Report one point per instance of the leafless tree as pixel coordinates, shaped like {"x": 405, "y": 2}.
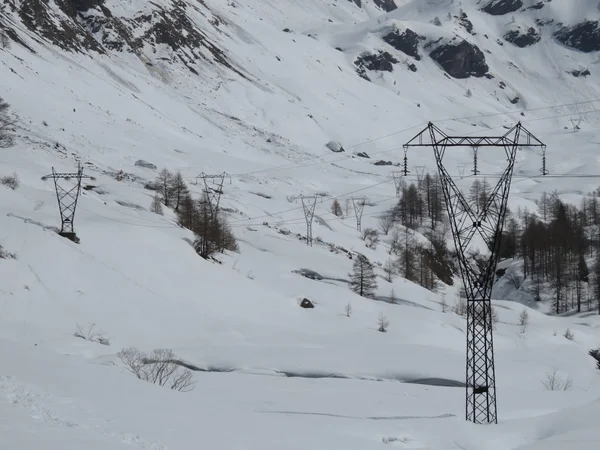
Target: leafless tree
{"x": 393, "y": 298}
{"x": 386, "y": 222}
{"x": 371, "y": 237}
{"x": 178, "y": 190}
{"x": 554, "y": 381}
{"x": 6, "y": 125}
{"x": 165, "y": 183}
{"x": 523, "y": 319}
{"x": 514, "y": 280}
{"x": 389, "y": 268}
{"x": 156, "y": 207}
{"x": 383, "y": 323}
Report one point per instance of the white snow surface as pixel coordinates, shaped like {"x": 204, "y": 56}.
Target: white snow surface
{"x": 279, "y": 376}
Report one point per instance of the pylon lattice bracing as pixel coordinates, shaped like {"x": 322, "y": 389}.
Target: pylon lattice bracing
{"x": 67, "y": 198}
{"x": 309, "y": 204}
{"x": 466, "y": 221}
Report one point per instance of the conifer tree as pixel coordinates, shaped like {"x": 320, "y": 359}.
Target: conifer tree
{"x": 363, "y": 279}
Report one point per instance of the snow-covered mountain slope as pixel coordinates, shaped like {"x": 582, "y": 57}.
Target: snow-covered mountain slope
{"x": 210, "y": 86}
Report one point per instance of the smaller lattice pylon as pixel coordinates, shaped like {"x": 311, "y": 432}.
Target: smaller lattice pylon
{"x": 398, "y": 175}
{"x": 67, "y": 199}
{"x": 359, "y": 206}
{"x": 213, "y": 189}
{"x": 309, "y": 203}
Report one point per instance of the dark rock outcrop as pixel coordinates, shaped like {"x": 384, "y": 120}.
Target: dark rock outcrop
{"x": 382, "y": 61}
{"x": 381, "y": 162}
{"x": 407, "y": 42}
{"x": 386, "y": 5}
{"x": 356, "y": 2}
{"x": 501, "y": 7}
{"x": 523, "y": 39}
{"x": 580, "y": 73}
{"x": 464, "y": 22}
{"x": 90, "y": 25}
{"x": 461, "y": 60}
{"x": 584, "y": 36}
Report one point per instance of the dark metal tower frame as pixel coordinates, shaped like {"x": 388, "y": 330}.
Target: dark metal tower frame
{"x": 466, "y": 221}
{"x": 67, "y": 199}
{"x": 359, "y": 206}
{"x": 309, "y": 203}
{"x": 213, "y": 192}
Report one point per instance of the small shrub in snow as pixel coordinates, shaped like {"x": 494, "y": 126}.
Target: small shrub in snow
{"x": 389, "y": 268}
{"x": 348, "y": 310}
{"x": 336, "y": 208}
{"x": 159, "y": 367}
{"x": 10, "y": 181}
{"x": 523, "y": 319}
{"x": 383, "y": 323}
{"x": 91, "y": 334}
{"x": 6, "y": 255}
{"x": 460, "y": 307}
{"x": 156, "y": 206}
{"x": 444, "y": 303}
{"x": 554, "y": 381}
{"x": 569, "y": 334}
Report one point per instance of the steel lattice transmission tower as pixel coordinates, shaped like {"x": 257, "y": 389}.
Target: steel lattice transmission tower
{"x": 67, "y": 199}
{"x": 398, "y": 175}
{"x": 359, "y": 206}
{"x": 466, "y": 222}
{"x": 212, "y": 191}
{"x": 309, "y": 203}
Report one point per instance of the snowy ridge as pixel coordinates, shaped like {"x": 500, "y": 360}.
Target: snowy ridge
{"x": 285, "y": 377}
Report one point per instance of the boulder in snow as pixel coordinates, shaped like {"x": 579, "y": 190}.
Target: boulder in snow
{"x": 145, "y": 164}
{"x": 335, "y": 147}
{"x": 306, "y": 303}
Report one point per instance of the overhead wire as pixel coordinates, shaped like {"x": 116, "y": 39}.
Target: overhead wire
{"x": 299, "y": 164}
